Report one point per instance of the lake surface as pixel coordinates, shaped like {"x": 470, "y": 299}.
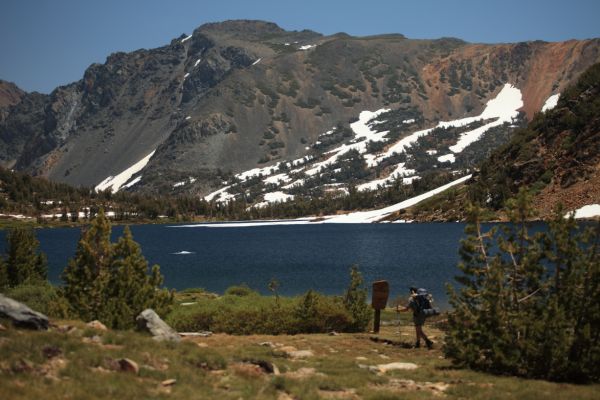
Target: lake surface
{"x": 300, "y": 257}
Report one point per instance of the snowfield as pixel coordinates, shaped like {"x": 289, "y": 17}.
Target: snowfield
{"x": 589, "y": 211}
{"x": 359, "y": 217}
{"x": 499, "y": 110}
{"x": 551, "y": 102}
{"x": 116, "y": 182}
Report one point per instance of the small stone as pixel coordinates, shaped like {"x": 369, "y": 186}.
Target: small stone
{"x": 267, "y": 344}
{"x": 168, "y": 382}
{"x": 287, "y": 349}
{"x": 22, "y": 365}
{"x": 202, "y": 344}
{"x": 97, "y": 325}
{"x": 384, "y": 357}
{"x": 51, "y": 351}
{"x": 266, "y": 366}
{"x": 196, "y": 334}
{"x": 300, "y": 354}
{"x": 383, "y": 368}
{"x": 2, "y": 328}
{"x": 334, "y": 333}
{"x": 361, "y": 358}
{"x": 127, "y": 365}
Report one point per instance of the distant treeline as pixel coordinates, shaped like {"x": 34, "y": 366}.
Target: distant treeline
{"x": 38, "y": 197}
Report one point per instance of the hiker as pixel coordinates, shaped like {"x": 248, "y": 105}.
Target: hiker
{"x": 418, "y": 302}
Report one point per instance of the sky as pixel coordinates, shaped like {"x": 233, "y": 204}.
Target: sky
{"x": 47, "y": 43}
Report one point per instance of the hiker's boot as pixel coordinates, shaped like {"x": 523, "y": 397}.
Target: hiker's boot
{"x": 429, "y": 344}
{"x": 417, "y": 344}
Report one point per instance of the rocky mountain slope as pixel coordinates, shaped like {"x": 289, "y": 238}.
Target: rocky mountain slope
{"x": 247, "y": 97}
{"x": 557, "y": 156}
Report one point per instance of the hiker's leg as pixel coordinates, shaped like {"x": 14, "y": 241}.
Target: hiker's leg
{"x": 418, "y": 335}
{"x": 423, "y": 335}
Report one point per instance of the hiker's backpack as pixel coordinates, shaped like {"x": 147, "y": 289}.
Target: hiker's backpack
{"x": 423, "y": 301}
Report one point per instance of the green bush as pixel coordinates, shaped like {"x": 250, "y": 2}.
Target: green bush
{"x": 252, "y": 313}
{"x": 241, "y": 290}
{"x": 41, "y": 297}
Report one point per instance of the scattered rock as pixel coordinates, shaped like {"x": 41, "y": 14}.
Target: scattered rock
{"x": 361, "y": 358}
{"x": 68, "y": 329}
{"x": 22, "y": 365}
{"x": 51, "y": 351}
{"x": 383, "y": 368}
{"x": 149, "y": 320}
{"x": 93, "y": 339}
{"x": 384, "y": 356}
{"x": 302, "y": 373}
{"x": 437, "y": 388}
{"x": 346, "y": 394}
{"x": 287, "y": 349}
{"x": 127, "y": 365}
{"x": 168, "y": 382}
{"x": 195, "y": 334}
{"x": 300, "y": 354}
{"x": 21, "y": 315}
{"x": 266, "y": 366}
{"x": 284, "y": 396}
{"x": 247, "y": 370}
{"x": 334, "y": 333}
{"x": 97, "y": 325}
{"x": 267, "y": 344}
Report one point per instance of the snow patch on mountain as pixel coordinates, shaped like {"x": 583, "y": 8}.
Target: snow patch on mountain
{"x": 551, "y": 102}
{"x": 115, "y": 182}
{"x": 589, "y": 211}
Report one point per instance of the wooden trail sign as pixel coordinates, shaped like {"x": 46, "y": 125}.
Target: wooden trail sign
{"x": 381, "y": 291}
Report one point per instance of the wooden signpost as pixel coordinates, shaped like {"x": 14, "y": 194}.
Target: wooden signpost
{"x": 381, "y": 291}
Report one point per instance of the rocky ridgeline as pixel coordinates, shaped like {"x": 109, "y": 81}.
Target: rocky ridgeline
{"x": 240, "y": 94}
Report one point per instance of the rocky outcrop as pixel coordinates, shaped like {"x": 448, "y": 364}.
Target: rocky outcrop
{"x": 21, "y": 315}
{"x": 150, "y": 321}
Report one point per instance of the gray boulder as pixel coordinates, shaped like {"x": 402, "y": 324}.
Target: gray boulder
{"x": 21, "y": 315}
{"x": 150, "y": 321}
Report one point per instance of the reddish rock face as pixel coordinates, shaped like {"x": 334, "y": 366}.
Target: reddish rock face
{"x": 10, "y": 94}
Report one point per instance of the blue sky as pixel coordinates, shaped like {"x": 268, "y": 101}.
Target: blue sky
{"x": 46, "y": 43}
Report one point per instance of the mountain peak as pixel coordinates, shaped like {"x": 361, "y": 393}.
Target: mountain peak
{"x": 243, "y": 27}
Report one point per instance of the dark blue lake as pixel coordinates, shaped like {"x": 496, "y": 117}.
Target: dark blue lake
{"x": 300, "y": 257}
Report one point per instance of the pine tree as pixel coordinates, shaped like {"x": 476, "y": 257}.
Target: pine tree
{"x": 307, "y": 312}
{"x": 529, "y": 304}
{"x": 87, "y": 275}
{"x": 131, "y": 289}
{"x": 110, "y": 282}
{"x": 355, "y": 301}
{"x": 24, "y": 262}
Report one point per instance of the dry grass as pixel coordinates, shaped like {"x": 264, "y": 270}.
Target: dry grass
{"x": 80, "y": 362}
